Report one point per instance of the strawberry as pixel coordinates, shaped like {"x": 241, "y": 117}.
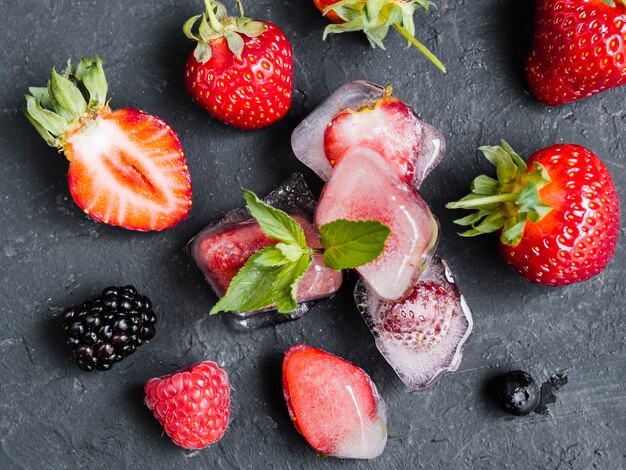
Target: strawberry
{"x": 422, "y": 319}
{"x": 559, "y": 216}
{"x": 579, "y": 49}
{"x": 374, "y": 18}
{"x": 221, "y": 254}
{"x": 127, "y": 167}
{"x": 388, "y": 126}
{"x": 192, "y": 404}
{"x": 241, "y": 71}
{"x": 333, "y": 404}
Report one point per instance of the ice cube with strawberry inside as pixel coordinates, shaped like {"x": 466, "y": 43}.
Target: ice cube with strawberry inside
{"x": 364, "y": 187}
{"x": 333, "y": 404}
{"x": 223, "y": 247}
{"x": 423, "y": 335}
{"x": 361, "y": 114}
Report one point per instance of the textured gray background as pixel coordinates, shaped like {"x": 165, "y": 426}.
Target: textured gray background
{"x": 52, "y": 415}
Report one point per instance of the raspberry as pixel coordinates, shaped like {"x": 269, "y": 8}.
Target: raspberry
{"x": 192, "y": 404}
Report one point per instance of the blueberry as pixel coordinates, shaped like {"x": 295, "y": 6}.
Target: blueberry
{"x": 517, "y": 393}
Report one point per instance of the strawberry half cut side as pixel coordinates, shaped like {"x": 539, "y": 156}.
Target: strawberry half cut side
{"x": 366, "y": 115}
{"x": 127, "y": 167}
{"x": 333, "y": 404}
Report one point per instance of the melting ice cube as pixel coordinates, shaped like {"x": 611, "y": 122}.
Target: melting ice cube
{"x": 334, "y": 404}
{"x": 376, "y": 128}
{"x": 423, "y": 335}
{"x": 363, "y": 187}
{"x": 224, "y": 246}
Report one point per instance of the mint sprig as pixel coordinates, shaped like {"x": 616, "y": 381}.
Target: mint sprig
{"x": 271, "y": 275}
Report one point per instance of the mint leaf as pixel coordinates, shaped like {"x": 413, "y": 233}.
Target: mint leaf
{"x": 349, "y": 244}
{"x": 286, "y": 284}
{"x": 251, "y": 288}
{"x": 292, "y": 252}
{"x": 271, "y": 256}
{"x": 274, "y": 222}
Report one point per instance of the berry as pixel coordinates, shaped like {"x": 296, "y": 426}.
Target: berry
{"x": 364, "y": 187}
{"x": 578, "y": 49}
{"x": 93, "y": 327}
{"x": 559, "y": 216}
{"x": 127, "y": 168}
{"x": 422, "y": 319}
{"x": 375, "y": 18}
{"x": 222, "y": 254}
{"x": 241, "y": 71}
{"x": 388, "y": 126}
{"x": 192, "y": 404}
{"x": 517, "y": 393}
{"x": 333, "y": 404}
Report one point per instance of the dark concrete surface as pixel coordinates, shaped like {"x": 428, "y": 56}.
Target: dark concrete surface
{"x": 54, "y": 416}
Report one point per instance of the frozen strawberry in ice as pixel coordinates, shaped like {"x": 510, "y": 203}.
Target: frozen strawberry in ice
{"x": 361, "y": 114}
{"x": 222, "y": 248}
{"x": 364, "y": 187}
{"x": 333, "y": 404}
{"x": 423, "y": 335}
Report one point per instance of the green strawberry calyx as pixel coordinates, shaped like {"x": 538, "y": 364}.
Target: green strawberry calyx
{"x": 215, "y": 24}
{"x": 375, "y": 17}
{"x": 69, "y": 101}
{"x": 505, "y": 203}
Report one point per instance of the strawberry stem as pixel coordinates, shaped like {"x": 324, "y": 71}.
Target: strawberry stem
{"x": 421, "y": 47}
{"x": 215, "y": 23}
{"x": 481, "y": 201}
{"x": 240, "y": 6}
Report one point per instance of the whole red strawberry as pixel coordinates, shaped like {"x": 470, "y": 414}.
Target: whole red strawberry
{"x": 579, "y": 49}
{"x": 559, "y": 217}
{"x": 192, "y": 404}
{"x": 127, "y": 167}
{"x": 241, "y": 71}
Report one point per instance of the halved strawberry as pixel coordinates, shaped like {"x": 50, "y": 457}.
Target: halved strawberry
{"x": 333, "y": 404}
{"x": 388, "y": 126}
{"x": 364, "y": 187}
{"x": 220, "y": 254}
{"x": 127, "y": 167}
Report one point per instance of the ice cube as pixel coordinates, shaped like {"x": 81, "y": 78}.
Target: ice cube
{"x": 334, "y": 404}
{"x": 363, "y": 187}
{"x": 307, "y": 139}
{"x": 423, "y": 335}
{"x": 224, "y": 246}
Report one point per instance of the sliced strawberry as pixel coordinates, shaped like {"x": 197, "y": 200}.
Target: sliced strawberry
{"x": 389, "y": 127}
{"x": 333, "y": 404}
{"x": 363, "y": 187}
{"x": 127, "y": 168}
{"x": 222, "y": 253}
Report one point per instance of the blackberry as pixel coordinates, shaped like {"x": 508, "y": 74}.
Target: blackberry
{"x": 106, "y": 329}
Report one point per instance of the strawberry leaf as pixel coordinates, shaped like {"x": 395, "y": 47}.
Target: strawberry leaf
{"x": 274, "y": 222}
{"x": 349, "y": 244}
